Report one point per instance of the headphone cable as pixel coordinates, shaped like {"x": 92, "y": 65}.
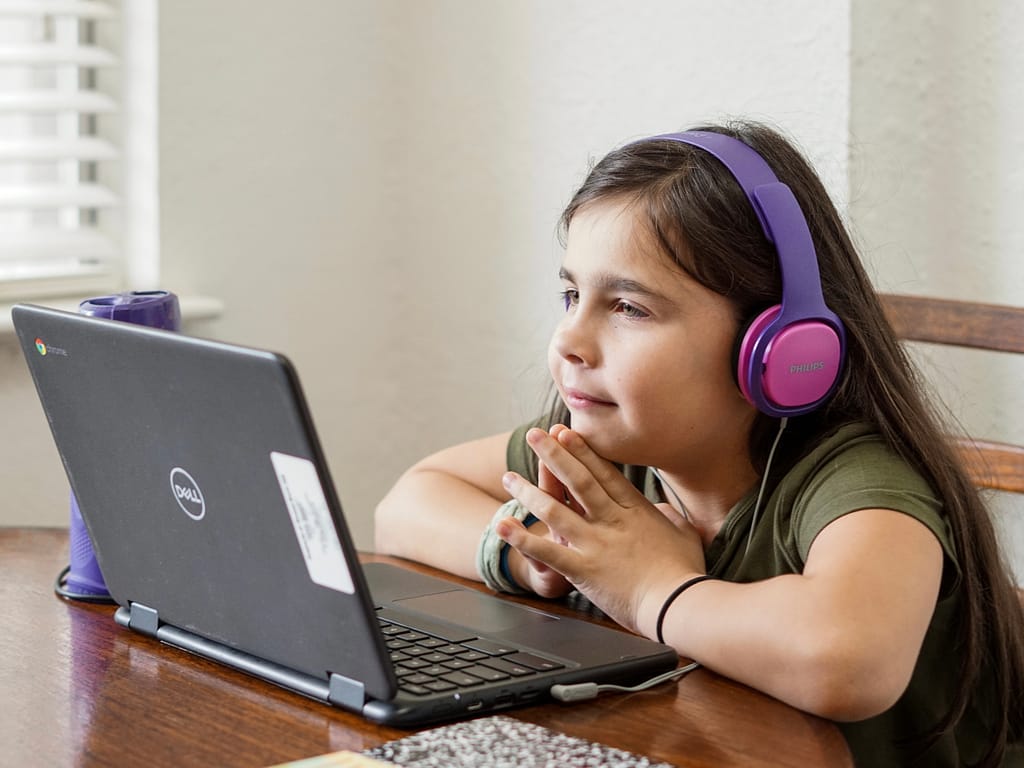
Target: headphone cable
{"x": 764, "y": 481}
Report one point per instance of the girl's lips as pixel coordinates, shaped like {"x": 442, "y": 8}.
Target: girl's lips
{"x": 575, "y": 398}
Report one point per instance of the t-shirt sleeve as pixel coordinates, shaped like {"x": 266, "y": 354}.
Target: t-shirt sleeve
{"x": 865, "y": 474}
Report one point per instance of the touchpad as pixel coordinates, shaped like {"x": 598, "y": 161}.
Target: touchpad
{"x": 473, "y": 610}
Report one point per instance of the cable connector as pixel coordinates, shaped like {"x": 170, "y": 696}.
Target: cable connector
{"x": 577, "y": 692}
{"x": 585, "y": 691}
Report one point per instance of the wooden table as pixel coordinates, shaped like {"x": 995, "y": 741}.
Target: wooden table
{"x": 78, "y": 689}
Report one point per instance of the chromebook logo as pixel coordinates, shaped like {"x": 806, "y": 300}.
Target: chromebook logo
{"x": 48, "y": 349}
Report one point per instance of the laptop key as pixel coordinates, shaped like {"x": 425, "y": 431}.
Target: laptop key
{"x": 486, "y": 673}
{"x": 412, "y": 636}
{"x": 460, "y": 664}
{"x": 435, "y": 657}
{"x": 414, "y": 664}
{"x": 435, "y": 670}
{"x": 461, "y": 679}
{"x": 490, "y": 648}
{"x": 516, "y": 670}
{"x": 416, "y": 650}
{"x": 431, "y": 642}
{"x": 417, "y": 679}
{"x": 533, "y": 662}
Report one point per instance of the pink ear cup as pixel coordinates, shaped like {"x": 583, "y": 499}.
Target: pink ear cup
{"x": 799, "y": 365}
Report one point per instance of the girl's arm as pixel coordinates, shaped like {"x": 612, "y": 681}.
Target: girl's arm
{"x": 438, "y": 509}
{"x": 839, "y": 640}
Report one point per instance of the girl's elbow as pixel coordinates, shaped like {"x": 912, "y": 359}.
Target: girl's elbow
{"x": 386, "y": 528}
{"x": 852, "y": 702}
{"x": 851, "y": 684}
{"x": 380, "y": 531}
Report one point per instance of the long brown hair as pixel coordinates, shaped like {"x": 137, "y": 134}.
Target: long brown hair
{"x": 703, "y": 221}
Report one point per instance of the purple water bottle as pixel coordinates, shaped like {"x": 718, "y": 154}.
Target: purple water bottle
{"x": 157, "y": 309}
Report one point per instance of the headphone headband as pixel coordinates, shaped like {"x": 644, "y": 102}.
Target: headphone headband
{"x": 780, "y": 216}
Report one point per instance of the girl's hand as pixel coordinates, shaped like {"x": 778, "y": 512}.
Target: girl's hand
{"x": 623, "y": 552}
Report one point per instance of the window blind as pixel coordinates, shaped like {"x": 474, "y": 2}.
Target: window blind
{"x": 61, "y": 139}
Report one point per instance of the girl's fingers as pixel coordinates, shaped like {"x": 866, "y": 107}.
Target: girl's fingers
{"x": 550, "y": 484}
{"x": 539, "y": 549}
{"x": 560, "y": 519}
{"x": 556, "y": 430}
{"x": 588, "y": 477}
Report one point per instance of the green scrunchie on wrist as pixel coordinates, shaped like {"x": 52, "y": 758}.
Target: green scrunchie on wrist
{"x": 492, "y": 552}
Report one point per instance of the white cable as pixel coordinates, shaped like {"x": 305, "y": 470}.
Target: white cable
{"x": 584, "y": 691}
{"x": 764, "y": 481}
{"x": 670, "y": 489}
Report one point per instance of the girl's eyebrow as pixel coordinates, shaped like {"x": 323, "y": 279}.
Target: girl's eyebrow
{"x": 610, "y": 283}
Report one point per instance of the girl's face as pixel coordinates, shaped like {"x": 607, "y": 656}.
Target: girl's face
{"x": 643, "y": 355}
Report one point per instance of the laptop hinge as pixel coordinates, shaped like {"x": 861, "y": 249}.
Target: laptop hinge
{"x": 143, "y": 619}
{"x": 346, "y": 693}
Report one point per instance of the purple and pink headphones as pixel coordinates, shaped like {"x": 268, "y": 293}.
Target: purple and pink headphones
{"x": 791, "y": 355}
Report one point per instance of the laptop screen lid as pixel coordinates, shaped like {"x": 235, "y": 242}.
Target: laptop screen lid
{"x": 181, "y": 490}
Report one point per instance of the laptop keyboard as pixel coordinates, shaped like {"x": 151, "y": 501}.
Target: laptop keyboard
{"x": 427, "y": 663}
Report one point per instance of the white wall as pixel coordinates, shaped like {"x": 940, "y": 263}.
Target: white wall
{"x": 372, "y": 187}
{"x": 937, "y": 179}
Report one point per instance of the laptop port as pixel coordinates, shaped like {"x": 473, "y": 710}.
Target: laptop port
{"x": 504, "y": 700}
{"x": 473, "y": 706}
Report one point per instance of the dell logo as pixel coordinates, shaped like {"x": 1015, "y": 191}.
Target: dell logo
{"x": 817, "y": 365}
{"x": 187, "y": 494}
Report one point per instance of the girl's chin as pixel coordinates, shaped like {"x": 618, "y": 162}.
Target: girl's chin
{"x": 606, "y": 446}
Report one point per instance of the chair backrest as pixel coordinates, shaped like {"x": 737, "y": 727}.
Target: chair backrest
{"x": 990, "y": 464}
{"x": 970, "y": 325}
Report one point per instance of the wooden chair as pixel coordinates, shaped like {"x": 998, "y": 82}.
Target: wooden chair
{"x": 995, "y": 465}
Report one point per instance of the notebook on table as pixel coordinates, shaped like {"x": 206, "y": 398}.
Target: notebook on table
{"x": 217, "y": 527}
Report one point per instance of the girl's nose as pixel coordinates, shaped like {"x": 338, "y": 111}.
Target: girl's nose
{"x": 573, "y": 342}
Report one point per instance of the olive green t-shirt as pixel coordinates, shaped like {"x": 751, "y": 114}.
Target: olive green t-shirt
{"x": 849, "y": 470}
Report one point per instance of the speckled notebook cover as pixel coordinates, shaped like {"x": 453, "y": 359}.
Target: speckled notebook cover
{"x": 502, "y": 742}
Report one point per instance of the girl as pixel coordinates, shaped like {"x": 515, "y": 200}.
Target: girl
{"x": 825, "y": 548}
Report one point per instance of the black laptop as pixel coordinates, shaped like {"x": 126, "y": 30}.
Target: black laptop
{"x": 218, "y": 530}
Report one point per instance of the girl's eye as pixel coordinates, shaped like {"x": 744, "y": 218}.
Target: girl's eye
{"x": 630, "y": 311}
{"x": 570, "y": 297}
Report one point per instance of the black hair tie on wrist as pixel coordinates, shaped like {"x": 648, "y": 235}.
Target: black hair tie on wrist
{"x": 672, "y": 598}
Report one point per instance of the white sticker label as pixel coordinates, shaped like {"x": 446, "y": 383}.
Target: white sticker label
{"x": 311, "y": 519}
